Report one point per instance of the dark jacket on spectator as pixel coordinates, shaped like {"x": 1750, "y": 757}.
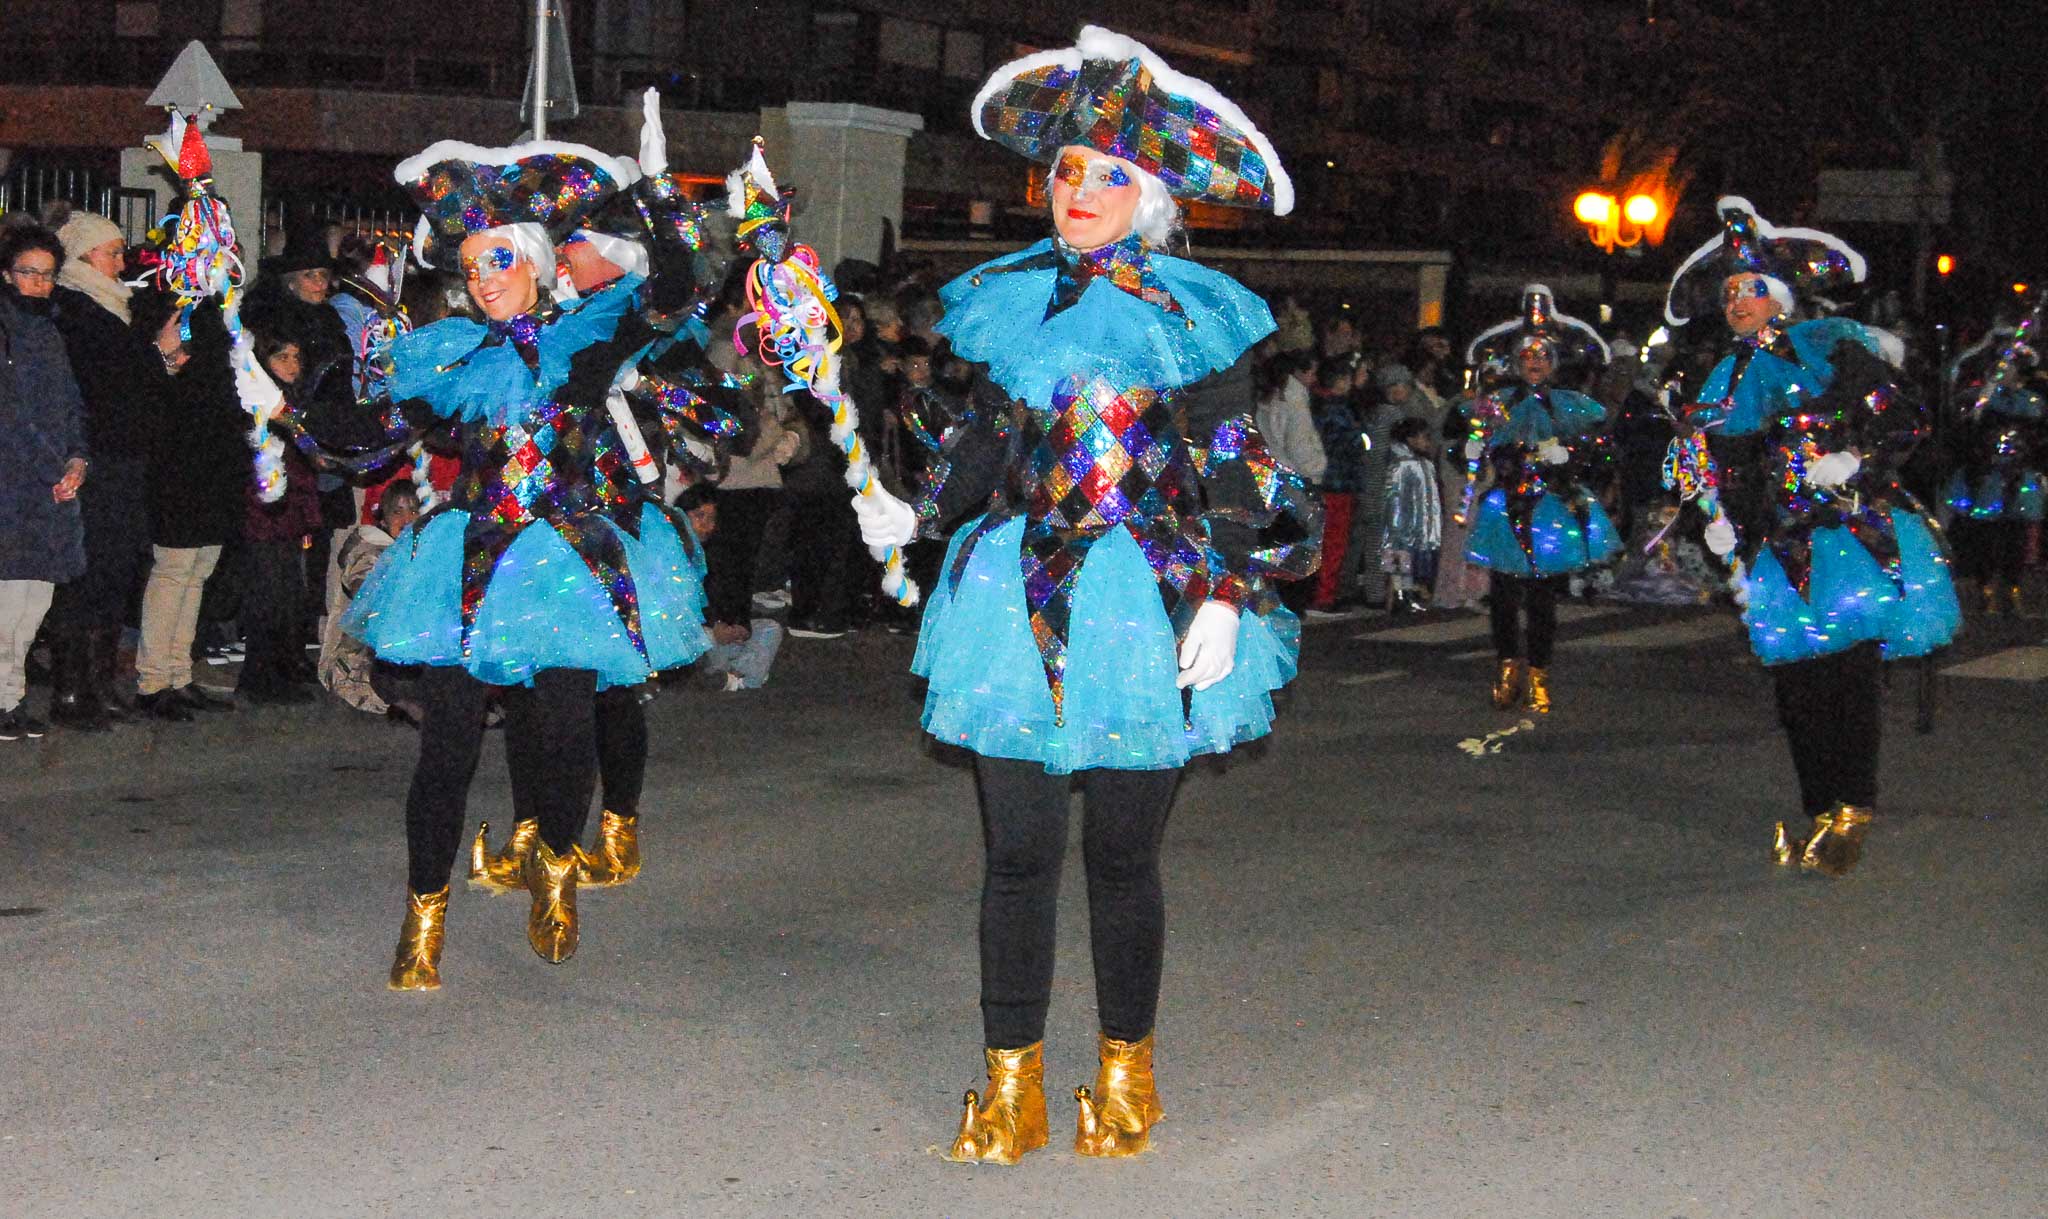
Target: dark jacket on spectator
{"x": 121, "y": 379}
{"x": 41, "y": 428}
{"x": 199, "y": 456}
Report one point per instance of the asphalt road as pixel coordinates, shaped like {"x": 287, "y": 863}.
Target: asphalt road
{"x": 1560, "y": 979}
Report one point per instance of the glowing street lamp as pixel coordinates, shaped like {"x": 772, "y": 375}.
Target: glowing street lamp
{"x": 1612, "y": 222}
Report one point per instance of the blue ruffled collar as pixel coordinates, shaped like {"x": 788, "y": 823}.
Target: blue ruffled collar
{"x": 997, "y": 315}
{"x": 462, "y": 370}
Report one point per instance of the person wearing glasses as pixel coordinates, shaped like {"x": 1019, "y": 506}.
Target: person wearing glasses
{"x": 42, "y": 465}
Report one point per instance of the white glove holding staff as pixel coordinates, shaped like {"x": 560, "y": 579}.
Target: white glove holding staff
{"x": 1833, "y": 469}
{"x": 885, "y": 521}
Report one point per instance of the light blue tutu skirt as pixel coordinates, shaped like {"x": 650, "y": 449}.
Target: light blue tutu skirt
{"x": 988, "y": 689}
{"x": 1561, "y": 545}
{"x": 543, "y": 609}
{"x": 1850, "y": 599}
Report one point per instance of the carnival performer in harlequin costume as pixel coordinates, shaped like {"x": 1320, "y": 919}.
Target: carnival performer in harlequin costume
{"x": 1998, "y": 492}
{"x": 666, "y": 403}
{"x": 521, "y": 578}
{"x": 1538, "y": 524}
{"x": 1105, "y": 613}
{"x": 1836, "y": 566}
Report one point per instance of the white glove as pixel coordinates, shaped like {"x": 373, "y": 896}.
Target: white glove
{"x": 259, "y": 394}
{"x": 1833, "y": 469}
{"x": 1473, "y": 449}
{"x": 885, "y": 521}
{"x": 1551, "y": 453}
{"x": 1209, "y": 652}
{"x": 1720, "y": 536}
{"x": 653, "y": 141}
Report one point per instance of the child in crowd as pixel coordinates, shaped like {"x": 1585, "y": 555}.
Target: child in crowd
{"x": 345, "y": 662}
{"x": 1414, "y": 516}
{"x": 1344, "y": 448}
{"x": 741, "y": 653}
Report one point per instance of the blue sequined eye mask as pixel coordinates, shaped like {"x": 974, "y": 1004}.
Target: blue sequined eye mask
{"x": 1745, "y": 289}
{"x": 495, "y": 261}
{"x": 1090, "y": 174}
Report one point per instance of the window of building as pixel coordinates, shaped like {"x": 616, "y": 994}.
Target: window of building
{"x": 138, "y": 19}
{"x": 965, "y": 57}
{"x": 911, "y": 44}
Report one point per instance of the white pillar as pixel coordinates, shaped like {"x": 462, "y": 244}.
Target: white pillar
{"x": 846, "y": 162}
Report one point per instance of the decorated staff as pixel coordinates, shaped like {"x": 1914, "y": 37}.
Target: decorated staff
{"x": 798, "y": 331}
{"x": 200, "y": 261}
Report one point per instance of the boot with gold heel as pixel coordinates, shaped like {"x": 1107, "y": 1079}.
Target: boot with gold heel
{"x": 616, "y": 859}
{"x": 1837, "y": 841}
{"x": 504, "y": 871}
{"x": 1012, "y": 1122}
{"x": 1507, "y": 684}
{"x": 551, "y": 924}
{"x": 1536, "y": 690}
{"x": 1787, "y": 846}
{"x": 418, "y": 963}
{"x": 1118, "y": 1113}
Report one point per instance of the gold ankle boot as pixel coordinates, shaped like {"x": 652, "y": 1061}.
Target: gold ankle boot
{"x": 1119, "y": 1113}
{"x": 418, "y": 964}
{"x": 1536, "y": 697}
{"x": 1785, "y": 848}
{"x": 1837, "y": 841}
{"x": 504, "y": 871}
{"x": 616, "y": 861}
{"x": 1507, "y": 684}
{"x": 1013, "y": 1120}
{"x": 551, "y": 925}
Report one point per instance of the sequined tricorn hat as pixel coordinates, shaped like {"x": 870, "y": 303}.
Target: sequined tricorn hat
{"x": 1569, "y": 339}
{"x": 465, "y": 189}
{"x": 1792, "y": 262}
{"x": 1111, "y": 93}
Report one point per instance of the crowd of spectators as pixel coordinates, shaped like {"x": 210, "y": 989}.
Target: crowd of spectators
{"x": 130, "y": 527}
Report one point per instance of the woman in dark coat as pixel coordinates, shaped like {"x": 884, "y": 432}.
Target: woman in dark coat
{"x": 199, "y": 460}
{"x": 120, "y": 378}
{"x": 42, "y": 466}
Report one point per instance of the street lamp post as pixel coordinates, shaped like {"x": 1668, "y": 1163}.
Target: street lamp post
{"x": 1613, "y": 223}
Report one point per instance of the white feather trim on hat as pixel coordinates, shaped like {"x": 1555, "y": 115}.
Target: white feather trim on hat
{"x": 1765, "y": 230}
{"x": 1098, "y": 43}
{"x": 410, "y": 169}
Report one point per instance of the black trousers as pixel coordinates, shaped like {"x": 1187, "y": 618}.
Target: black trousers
{"x": 825, "y": 552}
{"x": 1832, "y": 709}
{"x": 1510, "y": 599}
{"x": 731, "y": 551}
{"x": 273, "y": 614}
{"x": 1024, "y": 835}
{"x": 621, "y": 748}
{"x": 550, "y": 749}
{"x": 1990, "y": 552}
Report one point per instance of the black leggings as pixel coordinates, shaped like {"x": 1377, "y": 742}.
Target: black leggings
{"x": 550, "y": 748}
{"x": 621, "y": 748}
{"x": 272, "y": 615}
{"x": 1832, "y": 710}
{"x": 1511, "y": 597}
{"x": 1024, "y": 833}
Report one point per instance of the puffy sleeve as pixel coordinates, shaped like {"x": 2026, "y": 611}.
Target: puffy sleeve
{"x": 1263, "y": 521}
{"x": 973, "y": 457}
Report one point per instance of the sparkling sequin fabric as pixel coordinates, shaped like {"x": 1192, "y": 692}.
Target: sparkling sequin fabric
{"x": 1769, "y": 410}
{"x": 1100, "y": 458}
{"x": 460, "y": 196}
{"x": 1117, "y": 108}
